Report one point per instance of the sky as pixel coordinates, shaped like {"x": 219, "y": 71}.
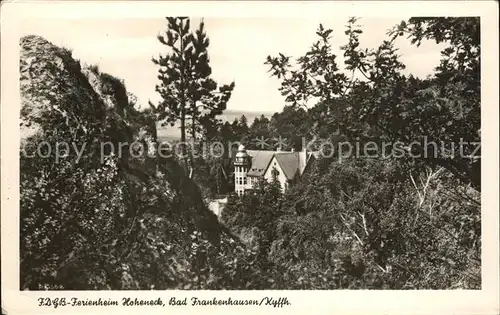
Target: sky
{"x": 238, "y": 48}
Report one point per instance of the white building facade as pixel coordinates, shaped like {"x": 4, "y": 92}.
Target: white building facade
{"x": 242, "y": 163}
{"x": 253, "y": 165}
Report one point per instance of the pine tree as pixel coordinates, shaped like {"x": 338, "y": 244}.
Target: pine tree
{"x": 173, "y": 75}
{"x": 189, "y": 95}
{"x": 206, "y": 98}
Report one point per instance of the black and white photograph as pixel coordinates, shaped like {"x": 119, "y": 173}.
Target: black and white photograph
{"x": 190, "y": 153}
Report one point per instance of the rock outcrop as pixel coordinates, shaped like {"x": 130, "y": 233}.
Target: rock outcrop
{"x": 95, "y": 218}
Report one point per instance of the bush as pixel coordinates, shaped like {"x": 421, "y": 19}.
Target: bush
{"x": 362, "y": 226}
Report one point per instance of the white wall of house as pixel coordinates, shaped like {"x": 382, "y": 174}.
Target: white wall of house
{"x": 251, "y": 181}
{"x": 302, "y": 160}
{"x": 240, "y": 179}
{"x": 268, "y": 175}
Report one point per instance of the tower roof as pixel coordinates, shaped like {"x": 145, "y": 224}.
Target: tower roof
{"x": 242, "y": 152}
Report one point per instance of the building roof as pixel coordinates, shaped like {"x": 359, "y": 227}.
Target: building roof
{"x": 289, "y": 162}
{"x": 260, "y": 161}
{"x": 242, "y": 153}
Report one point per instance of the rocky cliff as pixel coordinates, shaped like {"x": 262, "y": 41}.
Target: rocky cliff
{"x": 93, "y": 217}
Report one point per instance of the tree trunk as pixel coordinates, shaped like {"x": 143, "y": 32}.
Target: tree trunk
{"x": 183, "y": 107}
{"x": 193, "y": 131}
{"x": 183, "y": 138}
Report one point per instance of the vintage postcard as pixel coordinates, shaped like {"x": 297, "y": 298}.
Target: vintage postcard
{"x": 249, "y": 157}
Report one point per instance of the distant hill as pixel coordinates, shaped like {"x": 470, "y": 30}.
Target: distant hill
{"x": 173, "y": 133}
{"x": 230, "y": 115}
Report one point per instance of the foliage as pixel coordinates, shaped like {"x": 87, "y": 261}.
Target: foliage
{"x": 104, "y": 220}
{"x": 389, "y": 222}
{"x": 255, "y": 214}
{"x": 389, "y": 105}
{"x": 362, "y": 225}
{"x": 135, "y": 222}
{"x": 188, "y": 92}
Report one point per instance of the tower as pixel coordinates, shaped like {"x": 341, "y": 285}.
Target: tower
{"x": 241, "y": 165}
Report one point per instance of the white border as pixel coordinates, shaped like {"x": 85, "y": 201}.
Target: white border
{"x": 485, "y": 301}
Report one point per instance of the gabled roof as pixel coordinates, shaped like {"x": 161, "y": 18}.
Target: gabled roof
{"x": 289, "y": 163}
{"x": 260, "y": 161}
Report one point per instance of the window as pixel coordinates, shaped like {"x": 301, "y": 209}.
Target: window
{"x": 244, "y": 180}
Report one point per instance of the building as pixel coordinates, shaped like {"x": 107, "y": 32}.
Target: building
{"x": 252, "y": 165}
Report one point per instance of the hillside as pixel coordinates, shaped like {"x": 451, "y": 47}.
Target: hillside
{"x": 94, "y": 219}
